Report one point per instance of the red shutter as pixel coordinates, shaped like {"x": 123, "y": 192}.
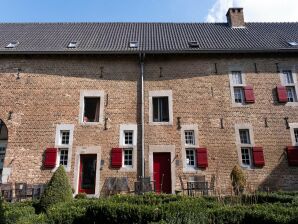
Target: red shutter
{"x": 292, "y": 155}
{"x": 258, "y": 156}
{"x": 249, "y": 94}
{"x": 116, "y": 156}
{"x": 202, "y": 158}
{"x": 282, "y": 94}
{"x": 50, "y": 158}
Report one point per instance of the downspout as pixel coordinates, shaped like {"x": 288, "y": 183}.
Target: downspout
{"x": 142, "y": 57}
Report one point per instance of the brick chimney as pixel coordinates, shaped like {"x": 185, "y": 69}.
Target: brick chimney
{"x": 235, "y": 17}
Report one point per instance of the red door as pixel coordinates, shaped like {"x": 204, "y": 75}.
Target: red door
{"x": 87, "y": 174}
{"x": 162, "y": 172}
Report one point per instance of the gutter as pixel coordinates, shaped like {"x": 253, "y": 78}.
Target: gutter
{"x": 142, "y": 58}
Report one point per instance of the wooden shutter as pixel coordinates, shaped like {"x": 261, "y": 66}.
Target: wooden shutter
{"x": 258, "y": 156}
{"x": 282, "y": 94}
{"x": 50, "y": 158}
{"x": 249, "y": 94}
{"x": 116, "y": 157}
{"x": 202, "y": 157}
{"x": 292, "y": 152}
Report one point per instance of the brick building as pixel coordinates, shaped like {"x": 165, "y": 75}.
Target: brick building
{"x": 165, "y": 100}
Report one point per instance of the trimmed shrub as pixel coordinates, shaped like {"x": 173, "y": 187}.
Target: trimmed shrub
{"x": 238, "y": 180}
{"x": 58, "y": 190}
{"x": 81, "y": 196}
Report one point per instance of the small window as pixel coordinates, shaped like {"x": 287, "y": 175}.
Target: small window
{"x": 244, "y": 136}
{"x": 246, "y": 157}
{"x": 12, "y": 44}
{"x": 160, "y": 109}
{"x": 288, "y": 77}
{"x": 63, "y": 156}
{"x": 293, "y": 43}
{"x": 189, "y": 137}
{"x": 296, "y": 134}
{"x": 133, "y": 44}
{"x": 128, "y": 137}
{"x": 72, "y": 44}
{"x": 64, "y": 137}
{"x": 190, "y": 157}
{"x": 238, "y": 94}
{"x": 91, "y": 109}
{"x": 193, "y": 44}
{"x": 127, "y": 157}
{"x": 291, "y": 93}
{"x": 237, "y": 78}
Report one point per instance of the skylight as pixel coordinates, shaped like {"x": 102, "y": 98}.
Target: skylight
{"x": 12, "y": 44}
{"x": 133, "y": 44}
{"x": 293, "y": 43}
{"x": 72, "y": 44}
{"x": 193, "y": 44}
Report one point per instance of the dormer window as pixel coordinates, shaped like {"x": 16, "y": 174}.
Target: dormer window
{"x": 293, "y": 43}
{"x": 193, "y": 44}
{"x": 133, "y": 44}
{"x": 72, "y": 44}
{"x": 12, "y": 44}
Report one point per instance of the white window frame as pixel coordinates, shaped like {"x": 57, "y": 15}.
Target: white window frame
{"x": 239, "y": 145}
{"x": 294, "y": 84}
{"x": 60, "y": 146}
{"x": 3, "y": 144}
{"x": 189, "y": 127}
{"x": 161, "y": 93}
{"x": 292, "y": 127}
{"x": 134, "y": 128}
{"x": 233, "y": 69}
{"x": 91, "y": 93}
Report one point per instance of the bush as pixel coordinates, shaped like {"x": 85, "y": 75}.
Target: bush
{"x": 238, "y": 180}
{"x": 81, "y": 196}
{"x": 58, "y": 190}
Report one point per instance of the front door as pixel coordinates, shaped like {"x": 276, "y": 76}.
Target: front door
{"x": 162, "y": 172}
{"x": 87, "y": 174}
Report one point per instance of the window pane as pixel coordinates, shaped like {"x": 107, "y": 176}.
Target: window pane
{"x": 190, "y": 157}
{"x": 296, "y": 134}
{"x": 288, "y": 77}
{"x": 291, "y": 94}
{"x": 244, "y": 136}
{"x": 160, "y": 109}
{"x": 91, "y": 109}
{"x": 245, "y": 154}
{"x": 64, "y": 137}
{"x": 164, "y": 109}
{"x": 155, "y": 110}
{"x": 63, "y": 157}
{"x": 189, "y": 137}
{"x": 128, "y": 157}
{"x": 128, "y": 137}
{"x": 237, "y": 78}
{"x": 238, "y": 94}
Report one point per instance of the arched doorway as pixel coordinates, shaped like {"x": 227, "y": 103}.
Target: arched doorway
{"x": 3, "y": 143}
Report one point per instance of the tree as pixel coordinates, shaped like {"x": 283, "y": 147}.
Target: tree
{"x": 238, "y": 180}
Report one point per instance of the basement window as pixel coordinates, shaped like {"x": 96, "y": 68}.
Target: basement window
{"x": 91, "y": 109}
{"x": 12, "y": 44}
{"x": 72, "y": 44}
{"x": 133, "y": 44}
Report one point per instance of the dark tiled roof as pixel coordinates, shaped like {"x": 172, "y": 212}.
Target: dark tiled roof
{"x": 152, "y": 37}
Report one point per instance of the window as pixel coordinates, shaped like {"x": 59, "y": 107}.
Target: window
{"x": 13, "y": 44}
{"x": 244, "y": 136}
{"x": 91, "y": 109}
{"x": 190, "y": 158}
{"x": 245, "y": 147}
{"x": 128, "y": 137}
{"x": 133, "y": 44}
{"x": 160, "y": 109}
{"x": 245, "y": 154}
{"x": 296, "y": 135}
{"x": 189, "y": 137}
{"x": 72, "y": 44}
{"x": 237, "y": 87}
{"x": 2, "y": 154}
{"x": 64, "y": 139}
{"x": 289, "y": 83}
{"x": 127, "y": 157}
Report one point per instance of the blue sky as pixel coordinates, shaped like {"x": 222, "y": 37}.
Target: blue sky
{"x": 105, "y": 10}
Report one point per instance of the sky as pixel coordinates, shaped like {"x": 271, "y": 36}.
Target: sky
{"x": 145, "y": 10}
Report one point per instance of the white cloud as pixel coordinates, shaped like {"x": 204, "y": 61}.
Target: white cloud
{"x": 256, "y": 10}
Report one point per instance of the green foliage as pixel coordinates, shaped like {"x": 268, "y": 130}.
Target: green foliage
{"x": 58, "y": 190}
{"x": 238, "y": 180}
{"x": 81, "y": 196}
{"x": 2, "y": 218}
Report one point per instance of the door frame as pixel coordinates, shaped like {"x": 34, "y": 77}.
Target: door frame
{"x": 82, "y": 156}
{"x": 96, "y": 150}
{"x": 164, "y": 148}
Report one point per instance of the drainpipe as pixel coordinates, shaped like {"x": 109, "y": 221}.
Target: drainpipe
{"x": 142, "y": 57}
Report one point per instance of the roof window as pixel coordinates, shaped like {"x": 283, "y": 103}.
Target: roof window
{"x": 12, "y": 44}
{"x": 293, "y": 43}
{"x": 133, "y": 44}
{"x": 72, "y": 44}
{"x": 193, "y": 44}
